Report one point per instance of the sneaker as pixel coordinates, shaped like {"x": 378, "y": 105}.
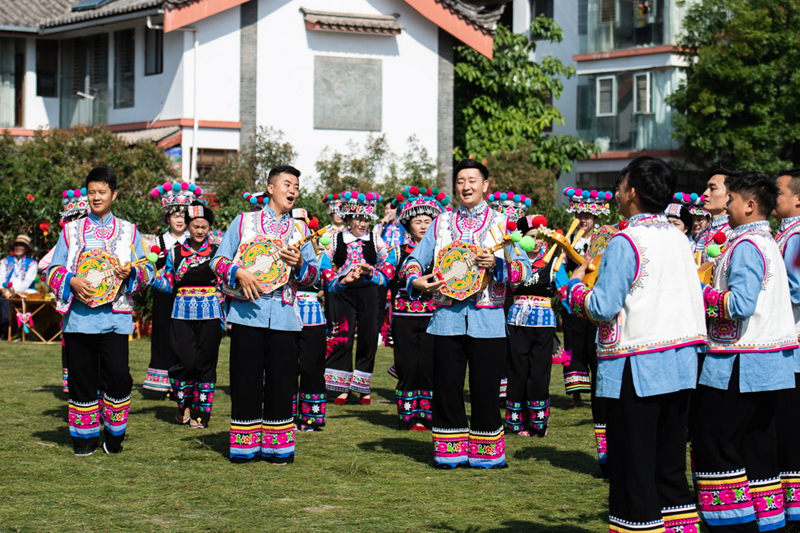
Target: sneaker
{"x": 111, "y": 451}
{"x": 392, "y": 371}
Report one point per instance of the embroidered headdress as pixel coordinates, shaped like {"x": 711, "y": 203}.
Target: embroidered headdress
{"x": 415, "y": 201}
{"x": 693, "y": 202}
{"x": 257, "y": 200}
{"x": 198, "y": 209}
{"x": 332, "y": 202}
{"x": 586, "y": 201}
{"x": 74, "y": 202}
{"x": 513, "y": 205}
{"x": 176, "y": 196}
{"x": 359, "y": 204}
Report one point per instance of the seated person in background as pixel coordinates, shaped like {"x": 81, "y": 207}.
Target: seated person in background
{"x": 17, "y": 274}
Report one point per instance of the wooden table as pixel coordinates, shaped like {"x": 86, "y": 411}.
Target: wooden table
{"x": 44, "y": 322}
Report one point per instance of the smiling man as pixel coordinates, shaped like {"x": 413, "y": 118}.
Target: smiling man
{"x": 265, "y": 325}
{"x": 471, "y": 331}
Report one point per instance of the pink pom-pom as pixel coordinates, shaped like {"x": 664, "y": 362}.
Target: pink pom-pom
{"x": 64, "y": 194}
{"x": 686, "y": 198}
{"x": 578, "y": 192}
{"x": 369, "y": 196}
{"x": 154, "y": 193}
{"x": 198, "y": 191}
{"x": 185, "y": 185}
{"x": 77, "y": 193}
{"x": 167, "y": 186}
{"x": 593, "y": 194}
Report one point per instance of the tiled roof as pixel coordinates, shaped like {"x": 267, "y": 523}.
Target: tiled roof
{"x": 115, "y": 7}
{"x": 483, "y": 14}
{"x": 29, "y": 13}
{"x": 350, "y": 22}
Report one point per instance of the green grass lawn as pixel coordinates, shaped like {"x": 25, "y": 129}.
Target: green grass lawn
{"x": 360, "y": 474}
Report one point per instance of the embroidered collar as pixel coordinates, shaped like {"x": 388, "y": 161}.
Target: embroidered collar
{"x": 349, "y": 237}
{"x": 105, "y": 221}
{"x": 760, "y": 226}
{"x": 186, "y": 250}
{"x": 475, "y": 212}
{"x": 718, "y": 222}
{"x": 649, "y": 219}
{"x": 270, "y": 213}
{"x": 788, "y": 221}
{"x": 410, "y": 246}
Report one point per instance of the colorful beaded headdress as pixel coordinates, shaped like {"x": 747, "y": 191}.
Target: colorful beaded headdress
{"x": 74, "y": 202}
{"x": 586, "y": 201}
{"x": 415, "y": 201}
{"x": 257, "y": 200}
{"x": 359, "y": 204}
{"x": 513, "y": 205}
{"x": 693, "y": 202}
{"x": 176, "y": 196}
{"x": 332, "y": 201}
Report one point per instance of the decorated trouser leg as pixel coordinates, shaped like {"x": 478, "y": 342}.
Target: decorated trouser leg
{"x": 98, "y": 362}
{"x": 413, "y": 355}
{"x": 735, "y": 458}
{"x": 311, "y": 356}
{"x": 482, "y": 444}
{"x": 530, "y": 352}
{"x": 162, "y": 356}
{"x": 788, "y": 432}
{"x": 579, "y": 338}
{"x": 365, "y": 303}
{"x": 339, "y": 363}
{"x": 263, "y": 373}
{"x": 648, "y": 490}
{"x": 194, "y": 376}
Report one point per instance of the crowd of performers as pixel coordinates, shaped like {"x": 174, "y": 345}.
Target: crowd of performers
{"x": 668, "y": 358}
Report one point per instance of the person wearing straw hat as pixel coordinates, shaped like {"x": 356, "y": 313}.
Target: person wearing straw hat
{"x": 17, "y": 274}
{"x": 197, "y": 319}
{"x": 363, "y": 265}
{"x": 175, "y": 197}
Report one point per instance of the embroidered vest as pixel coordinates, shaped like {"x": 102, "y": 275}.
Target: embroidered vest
{"x": 254, "y": 223}
{"x": 664, "y": 306}
{"x": 475, "y": 231}
{"x": 119, "y": 243}
{"x": 782, "y": 239}
{"x": 771, "y": 327}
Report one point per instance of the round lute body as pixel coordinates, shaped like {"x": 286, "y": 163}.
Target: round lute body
{"x": 97, "y": 267}
{"x": 261, "y": 257}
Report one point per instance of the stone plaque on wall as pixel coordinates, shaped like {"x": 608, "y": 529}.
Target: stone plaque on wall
{"x": 347, "y": 93}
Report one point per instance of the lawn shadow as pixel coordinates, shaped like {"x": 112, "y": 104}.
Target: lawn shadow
{"x": 572, "y": 460}
{"x": 514, "y": 526}
{"x": 416, "y": 450}
{"x": 218, "y": 442}
{"x": 165, "y": 413}
{"x": 56, "y": 436}
{"x": 55, "y": 390}
{"x": 374, "y": 417}
{"x": 61, "y": 413}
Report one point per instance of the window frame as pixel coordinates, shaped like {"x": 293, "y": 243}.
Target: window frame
{"x": 598, "y": 81}
{"x": 158, "y": 44}
{"x": 119, "y": 103}
{"x": 649, "y": 93}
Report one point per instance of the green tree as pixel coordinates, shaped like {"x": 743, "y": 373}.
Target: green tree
{"x": 504, "y": 105}
{"x": 740, "y": 102}
{"x": 45, "y": 165}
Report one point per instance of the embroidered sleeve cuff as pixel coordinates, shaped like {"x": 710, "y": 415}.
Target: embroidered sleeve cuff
{"x": 308, "y": 274}
{"x": 410, "y": 272}
{"x": 387, "y": 272}
{"x": 578, "y": 298}
{"x": 163, "y": 283}
{"x": 516, "y": 273}
{"x": 716, "y": 302}
{"x": 58, "y": 280}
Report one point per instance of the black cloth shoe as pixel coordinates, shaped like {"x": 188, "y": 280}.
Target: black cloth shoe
{"x": 111, "y": 449}
{"x": 84, "y": 449}
{"x": 278, "y": 460}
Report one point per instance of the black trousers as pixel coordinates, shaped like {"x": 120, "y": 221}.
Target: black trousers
{"x": 734, "y": 449}
{"x": 194, "y": 376}
{"x": 529, "y": 361}
{"x": 353, "y": 310}
{"x": 647, "y": 459}
{"x": 579, "y": 338}
{"x": 98, "y": 366}
{"x": 162, "y": 355}
{"x": 413, "y": 360}
{"x": 311, "y": 356}
{"x": 263, "y": 373}
{"x": 788, "y": 434}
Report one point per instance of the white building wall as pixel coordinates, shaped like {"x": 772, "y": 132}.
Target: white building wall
{"x": 38, "y": 112}
{"x": 286, "y": 52}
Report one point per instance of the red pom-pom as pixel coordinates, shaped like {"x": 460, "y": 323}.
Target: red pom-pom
{"x": 313, "y": 223}
{"x": 428, "y": 191}
{"x": 8, "y": 284}
{"x": 399, "y": 197}
{"x": 623, "y": 224}
{"x": 414, "y": 190}
{"x": 538, "y": 221}
{"x": 44, "y": 226}
{"x": 336, "y": 196}
{"x": 155, "y": 249}
{"x": 441, "y": 196}
{"x": 511, "y": 226}
{"x": 719, "y": 237}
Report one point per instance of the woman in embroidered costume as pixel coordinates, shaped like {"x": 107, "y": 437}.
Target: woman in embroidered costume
{"x": 17, "y": 274}
{"x": 469, "y": 331}
{"x": 678, "y": 214}
{"x": 265, "y": 324}
{"x": 787, "y": 209}
{"x": 579, "y": 333}
{"x": 363, "y": 266}
{"x": 413, "y": 347}
{"x": 532, "y": 341}
{"x": 311, "y": 401}
{"x": 197, "y": 321}
{"x": 96, "y": 337}
{"x": 752, "y": 339}
{"x": 649, "y": 308}
{"x": 174, "y": 199}
{"x": 715, "y": 199}
{"x": 75, "y": 205}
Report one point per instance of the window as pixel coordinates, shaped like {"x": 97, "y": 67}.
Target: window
{"x": 608, "y": 10}
{"x": 12, "y": 72}
{"x": 153, "y": 51}
{"x": 124, "y": 76}
{"x": 541, "y": 7}
{"x": 641, "y": 86}
{"x": 606, "y": 103}
{"x": 582, "y": 22}
{"x": 83, "y": 86}
{"x": 46, "y": 67}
